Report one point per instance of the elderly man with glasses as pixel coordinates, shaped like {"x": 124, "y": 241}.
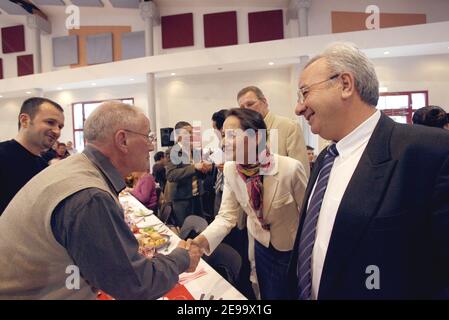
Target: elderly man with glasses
{"x": 69, "y": 218}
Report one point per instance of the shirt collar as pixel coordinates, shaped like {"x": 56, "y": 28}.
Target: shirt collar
{"x": 104, "y": 164}
{"x": 358, "y": 136}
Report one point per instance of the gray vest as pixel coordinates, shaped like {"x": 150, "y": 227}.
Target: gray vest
{"x": 33, "y": 264}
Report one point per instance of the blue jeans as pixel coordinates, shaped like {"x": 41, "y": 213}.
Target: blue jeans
{"x": 271, "y": 269}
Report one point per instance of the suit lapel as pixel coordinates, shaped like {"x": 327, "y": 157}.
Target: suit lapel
{"x": 270, "y": 184}
{"x": 241, "y": 192}
{"x": 360, "y": 203}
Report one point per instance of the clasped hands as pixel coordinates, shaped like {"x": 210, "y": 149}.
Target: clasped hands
{"x": 203, "y": 166}
{"x": 196, "y": 249}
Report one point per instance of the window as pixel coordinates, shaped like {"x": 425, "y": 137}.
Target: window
{"x": 81, "y": 110}
{"x": 400, "y": 106}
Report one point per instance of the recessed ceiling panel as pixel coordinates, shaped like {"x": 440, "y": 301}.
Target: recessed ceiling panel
{"x": 88, "y": 3}
{"x": 65, "y": 51}
{"x": 49, "y": 2}
{"x": 131, "y": 4}
{"x": 99, "y": 48}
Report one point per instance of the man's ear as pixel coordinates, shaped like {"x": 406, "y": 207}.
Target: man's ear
{"x": 120, "y": 140}
{"x": 24, "y": 120}
{"x": 347, "y": 84}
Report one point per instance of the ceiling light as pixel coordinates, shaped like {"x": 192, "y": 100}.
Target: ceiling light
{"x": 94, "y": 84}
{"x": 387, "y": 52}
{"x": 132, "y": 79}
{"x": 173, "y": 74}
{"x": 59, "y": 88}
{"x": 271, "y": 63}
{"x": 28, "y": 92}
{"x": 1, "y": 96}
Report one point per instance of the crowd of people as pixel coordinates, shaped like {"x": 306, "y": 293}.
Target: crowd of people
{"x": 366, "y": 218}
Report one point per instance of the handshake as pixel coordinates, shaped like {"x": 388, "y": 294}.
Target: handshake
{"x": 196, "y": 249}
{"x": 203, "y": 166}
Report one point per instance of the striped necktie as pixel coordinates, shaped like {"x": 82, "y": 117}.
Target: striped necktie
{"x": 307, "y": 239}
{"x": 219, "y": 181}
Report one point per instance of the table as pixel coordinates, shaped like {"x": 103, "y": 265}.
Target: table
{"x": 203, "y": 284}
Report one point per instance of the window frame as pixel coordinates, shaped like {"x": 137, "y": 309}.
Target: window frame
{"x": 83, "y": 103}
{"x": 407, "y": 112}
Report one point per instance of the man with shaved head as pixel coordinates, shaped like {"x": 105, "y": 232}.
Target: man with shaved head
{"x": 69, "y": 218}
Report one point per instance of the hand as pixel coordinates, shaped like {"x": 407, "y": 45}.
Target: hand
{"x": 199, "y": 166}
{"x": 195, "y": 254}
{"x": 207, "y": 167}
{"x": 202, "y": 242}
{"x": 203, "y": 167}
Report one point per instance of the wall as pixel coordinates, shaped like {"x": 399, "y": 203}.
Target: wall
{"x": 198, "y": 30}
{"x": 195, "y": 98}
{"x": 89, "y": 17}
{"x": 320, "y": 12}
{"x": 198, "y": 97}
{"x": 190, "y": 98}
{"x": 9, "y": 111}
{"x": 10, "y": 59}
{"x": 417, "y": 73}
{"x": 319, "y": 20}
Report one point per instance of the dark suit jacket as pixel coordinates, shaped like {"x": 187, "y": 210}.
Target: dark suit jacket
{"x": 394, "y": 215}
{"x": 179, "y": 174}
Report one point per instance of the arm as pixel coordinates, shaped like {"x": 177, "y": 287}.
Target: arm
{"x": 224, "y": 221}
{"x": 296, "y": 147}
{"x": 144, "y": 189}
{"x": 178, "y": 165}
{"x": 90, "y": 225}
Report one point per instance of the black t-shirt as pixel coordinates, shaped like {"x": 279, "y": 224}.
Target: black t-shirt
{"x": 17, "y": 167}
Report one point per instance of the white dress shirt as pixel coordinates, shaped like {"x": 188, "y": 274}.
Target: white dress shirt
{"x": 350, "y": 150}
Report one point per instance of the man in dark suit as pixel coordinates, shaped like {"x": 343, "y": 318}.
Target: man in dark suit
{"x": 375, "y": 220}
{"x": 184, "y": 175}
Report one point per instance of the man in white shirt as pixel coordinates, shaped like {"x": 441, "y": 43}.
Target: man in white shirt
{"x": 375, "y": 224}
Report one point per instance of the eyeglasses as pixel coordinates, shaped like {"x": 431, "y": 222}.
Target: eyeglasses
{"x": 151, "y": 136}
{"x": 302, "y": 92}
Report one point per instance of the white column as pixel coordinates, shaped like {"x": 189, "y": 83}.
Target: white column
{"x": 299, "y": 9}
{"x": 150, "y": 14}
{"x": 40, "y": 26}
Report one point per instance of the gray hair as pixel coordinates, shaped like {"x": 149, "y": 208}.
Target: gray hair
{"x": 346, "y": 57}
{"x": 109, "y": 117}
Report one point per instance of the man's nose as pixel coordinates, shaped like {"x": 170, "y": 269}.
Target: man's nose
{"x": 300, "y": 108}
{"x": 57, "y": 130}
